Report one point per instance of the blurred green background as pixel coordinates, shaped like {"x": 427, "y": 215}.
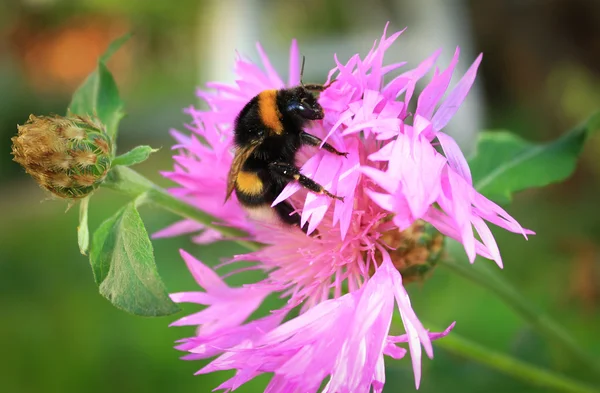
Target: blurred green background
{"x": 540, "y": 76}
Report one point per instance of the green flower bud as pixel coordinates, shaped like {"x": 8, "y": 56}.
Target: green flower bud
{"x": 68, "y": 156}
{"x": 416, "y": 250}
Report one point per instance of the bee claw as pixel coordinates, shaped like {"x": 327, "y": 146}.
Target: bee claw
{"x": 339, "y": 198}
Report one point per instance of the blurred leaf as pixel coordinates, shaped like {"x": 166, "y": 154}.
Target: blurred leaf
{"x": 505, "y": 163}
{"x": 481, "y": 274}
{"x": 134, "y": 156}
{"x": 114, "y": 46}
{"x": 83, "y": 232}
{"x": 99, "y": 96}
{"x": 532, "y": 374}
{"x": 122, "y": 259}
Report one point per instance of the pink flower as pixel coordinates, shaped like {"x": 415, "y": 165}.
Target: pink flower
{"x": 345, "y": 277}
{"x": 344, "y": 338}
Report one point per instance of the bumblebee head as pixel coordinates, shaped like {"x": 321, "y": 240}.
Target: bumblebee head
{"x": 301, "y": 104}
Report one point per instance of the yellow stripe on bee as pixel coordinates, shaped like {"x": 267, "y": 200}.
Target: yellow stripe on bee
{"x": 249, "y": 183}
{"x": 268, "y": 111}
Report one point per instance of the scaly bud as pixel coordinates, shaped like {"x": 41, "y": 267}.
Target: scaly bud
{"x": 416, "y": 250}
{"x": 68, "y": 156}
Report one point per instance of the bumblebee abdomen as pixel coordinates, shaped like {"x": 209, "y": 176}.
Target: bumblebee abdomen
{"x": 250, "y": 189}
{"x": 249, "y": 183}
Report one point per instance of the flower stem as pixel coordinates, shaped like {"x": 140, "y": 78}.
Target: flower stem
{"x": 480, "y": 274}
{"x": 534, "y": 375}
{"x": 133, "y": 184}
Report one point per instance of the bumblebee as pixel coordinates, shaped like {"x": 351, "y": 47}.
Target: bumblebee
{"x": 268, "y": 132}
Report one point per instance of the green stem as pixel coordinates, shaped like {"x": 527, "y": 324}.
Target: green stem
{"x": 131, "y": 183}
{"x": 508, "y": 365}
{"x": 480, "y": 274}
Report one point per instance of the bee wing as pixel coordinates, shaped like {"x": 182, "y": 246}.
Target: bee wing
{"x": 241, "y": 155}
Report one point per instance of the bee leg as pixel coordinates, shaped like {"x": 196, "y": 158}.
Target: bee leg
{"x": 316, "y": 87}
{"x": 290, "y": 172}
{"x": 312, "y": 140}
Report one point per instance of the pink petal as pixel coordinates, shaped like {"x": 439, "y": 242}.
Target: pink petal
{"x": 456, "y": 97}
{"x": 191, "y": 297}
{"x": 347, "y": 183}
{"x": 208, "y": 236}
{"x": 455, "y": 157}
{"x": 294, "y": 72}
{"x": 289, "y": 190}
{"x": 385, "y": 201}
{"x": 456, "y": 201}
{"x": 488, "y": 239}
{"x": 204, "y": 276}
{"x": 179, "y": 228}
{"x": 434, "y": 91}
{"x": 443, "y": 223}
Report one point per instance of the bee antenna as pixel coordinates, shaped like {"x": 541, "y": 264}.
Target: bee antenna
{"x": 302, "y": 70}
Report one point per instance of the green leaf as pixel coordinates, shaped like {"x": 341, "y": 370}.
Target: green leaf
{"x": 103, "y": 246}
{"x": 134, "y": 156}
{"x": 505, "y": 163}
{"x": 122, "y": 260}
{"x": 99, "y": 96}
{"x": 83, "y": 233}
{"x": 114, "y": 46}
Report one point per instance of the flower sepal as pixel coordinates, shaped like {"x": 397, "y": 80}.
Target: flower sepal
{"x": 134, "y": 156}
{"x": 416, "y": 251}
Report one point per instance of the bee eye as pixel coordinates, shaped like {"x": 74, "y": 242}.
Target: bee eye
{"x": 295, "y": 106}
{"x": 305, "y": 109}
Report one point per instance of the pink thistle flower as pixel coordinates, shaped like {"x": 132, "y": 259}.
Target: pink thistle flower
{"x": 347, "y": 277}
